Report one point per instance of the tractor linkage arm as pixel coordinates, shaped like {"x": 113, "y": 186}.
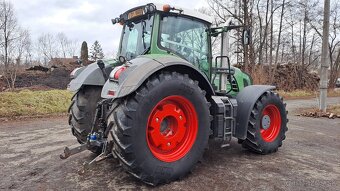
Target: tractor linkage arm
{"x": 99, "y": 137}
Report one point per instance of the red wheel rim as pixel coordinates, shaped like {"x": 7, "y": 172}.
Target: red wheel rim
{"x": 172, "y": 128}
{"x": 270, "y": 123}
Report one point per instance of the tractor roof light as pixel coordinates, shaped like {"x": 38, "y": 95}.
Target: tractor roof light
{"x": 116, "y": 20}
{"x": 149, "y": 8}
{"x": 166, "y": 8}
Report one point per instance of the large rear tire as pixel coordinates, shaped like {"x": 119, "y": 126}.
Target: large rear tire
{"x": 161, "y": 130}
{"x": 82, "y": 111}
{"x": 267, "y": 124}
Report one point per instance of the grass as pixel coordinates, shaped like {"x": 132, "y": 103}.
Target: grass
{"x": 304, "y": 94}
{"x": 33, "y": 103}
{"x": 334, "y": 109}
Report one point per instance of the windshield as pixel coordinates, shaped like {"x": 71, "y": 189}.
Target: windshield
{"x": 136, "y": 38}
{"x": 187, "y": 38}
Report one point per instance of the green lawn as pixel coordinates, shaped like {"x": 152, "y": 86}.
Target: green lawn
{"x": 31, "y": 103}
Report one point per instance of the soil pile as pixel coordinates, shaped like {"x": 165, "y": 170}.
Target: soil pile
{"x": 287, "y": 77}
{"x": 54, "y": 78}
{"x": 58, "y": 78}
{"x": 292, "y": 77}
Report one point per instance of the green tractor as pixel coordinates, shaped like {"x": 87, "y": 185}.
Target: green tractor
{"x": 157, "y": 104}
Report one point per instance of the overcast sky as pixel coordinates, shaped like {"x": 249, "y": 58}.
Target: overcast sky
{"x": 82, "y": 19}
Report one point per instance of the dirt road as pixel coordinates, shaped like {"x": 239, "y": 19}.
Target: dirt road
{"x": 308, "y": 160}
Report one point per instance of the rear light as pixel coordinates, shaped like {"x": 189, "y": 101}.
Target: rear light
{"x": 114, "y": 75}
{"x": 119, "y": 71}
{"x": 111, "y": 93}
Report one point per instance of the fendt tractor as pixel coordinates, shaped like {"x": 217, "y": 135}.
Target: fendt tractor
{"x": 157, "y": 104}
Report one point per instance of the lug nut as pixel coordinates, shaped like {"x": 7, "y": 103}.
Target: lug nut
{"x": 180, "y": 117}
{"x": 169, "y": 143}
{"x": 157, "y": 119}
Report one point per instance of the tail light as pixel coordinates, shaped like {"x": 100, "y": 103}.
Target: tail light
{"x": 114, "y": 75}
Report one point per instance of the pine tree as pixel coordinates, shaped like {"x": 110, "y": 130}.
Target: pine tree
{"x": 96, "y": 51}
{"x": 84, "y": 52}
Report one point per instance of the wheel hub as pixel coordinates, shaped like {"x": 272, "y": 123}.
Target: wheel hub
{"x": 265, "y": 122}
{"x": 172, "y": 128}
{"x": 270, "y": 123}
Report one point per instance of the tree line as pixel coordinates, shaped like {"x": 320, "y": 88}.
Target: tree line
{"x": 283, "y": 31}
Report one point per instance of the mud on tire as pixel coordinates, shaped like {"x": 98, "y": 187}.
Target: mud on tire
{"x": 265, "y": 136}
{"x": 134, "y": 142}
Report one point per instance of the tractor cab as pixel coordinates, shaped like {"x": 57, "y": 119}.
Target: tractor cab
{"x": 155, "y": 29}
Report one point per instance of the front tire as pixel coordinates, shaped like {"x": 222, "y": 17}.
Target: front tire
{"x": 161, "y": 130}
{"x": 267, "y": 124}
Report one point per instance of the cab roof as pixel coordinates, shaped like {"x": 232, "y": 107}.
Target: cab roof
{"x": 136, "y": 11}
{"x": 188, "y": 12}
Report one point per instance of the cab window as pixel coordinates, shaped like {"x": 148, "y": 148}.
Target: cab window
{"x": 186, "y": 38}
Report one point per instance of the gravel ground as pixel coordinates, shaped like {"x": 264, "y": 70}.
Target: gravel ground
{"x": 308, "y": 160}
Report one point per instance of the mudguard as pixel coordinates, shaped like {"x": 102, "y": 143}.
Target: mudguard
{"x": 90, "y": 75}
{"x": 246, "y": 100}
{"x": 143, "y": 67}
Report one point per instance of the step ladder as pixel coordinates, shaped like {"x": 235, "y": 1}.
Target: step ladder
{"x": 225, "y": 110}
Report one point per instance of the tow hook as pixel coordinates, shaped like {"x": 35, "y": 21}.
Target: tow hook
{"x": 72, "y": 151}
{"x": 94, "y": 139}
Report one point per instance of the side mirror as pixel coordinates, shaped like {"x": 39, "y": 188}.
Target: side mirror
{"x": 246, "y": 36}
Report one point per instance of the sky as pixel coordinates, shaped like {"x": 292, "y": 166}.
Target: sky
{"x": 82, "y": 20}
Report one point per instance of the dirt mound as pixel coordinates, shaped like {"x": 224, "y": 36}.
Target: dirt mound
{"x": 287, "y": 77}
{"x": 56, "y": 79}
{"x": 292, "y": 77}
{"x": 38, "y": 77}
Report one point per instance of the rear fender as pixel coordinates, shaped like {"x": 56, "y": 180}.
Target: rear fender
{"x": 142, "y": 67}
{"x": 246, "y": 100}
{"x": 90, "y": 75}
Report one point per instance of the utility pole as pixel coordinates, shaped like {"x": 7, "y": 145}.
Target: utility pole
{"x": 324, "y": 57}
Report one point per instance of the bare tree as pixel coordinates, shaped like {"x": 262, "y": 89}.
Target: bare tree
{"x": 63, "y": 43}
{"x": 334, "y": 41}
{"x": 14, "y": 42}
{"x": 8, "y": 30}
{"x": 73, "y": 48}
{"x": 19, "y": 48}
{"x": 283, "y": 31}
{"x": 67, "y": 47}
{"x": 47, "y": 46}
